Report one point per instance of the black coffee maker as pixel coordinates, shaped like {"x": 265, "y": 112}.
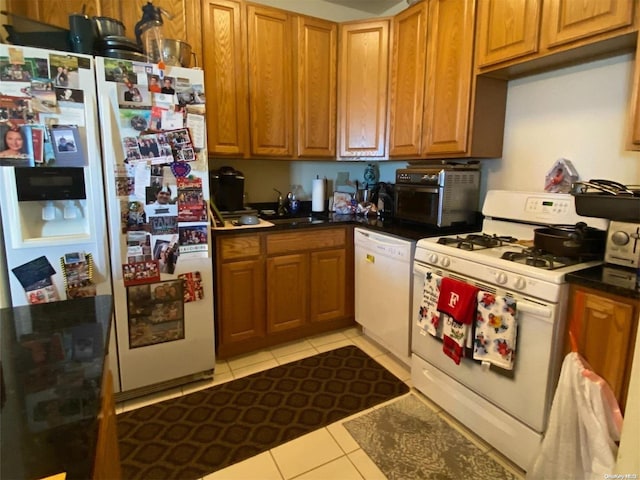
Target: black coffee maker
{"x": 227, "y": 188}
{"x": 382, "y": 195}
{"x": 82, "y": 33}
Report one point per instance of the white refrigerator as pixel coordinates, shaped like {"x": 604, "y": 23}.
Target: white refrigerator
{"x": 78, "y": 204}
{"x": 156, "y": 188}
{"x": 54, "y": 226}
{"x": 53, "y": 222}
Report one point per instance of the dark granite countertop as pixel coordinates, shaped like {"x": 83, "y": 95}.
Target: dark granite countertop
{"x": 608, "y": 278}
{"x": 410, "y": 231}
{"x": 53, "y": 358}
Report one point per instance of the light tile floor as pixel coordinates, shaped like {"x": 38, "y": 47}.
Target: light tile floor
{"x": 327, "y": 453}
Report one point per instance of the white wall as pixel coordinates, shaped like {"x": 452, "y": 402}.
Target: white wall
{"x": 262, "y": 176}
{"x": 579, "y": 113}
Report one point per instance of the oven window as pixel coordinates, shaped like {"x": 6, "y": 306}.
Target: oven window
{"x": 416, "y": 203}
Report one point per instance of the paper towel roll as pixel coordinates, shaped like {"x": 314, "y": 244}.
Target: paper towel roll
{"x": 318, "y": 195}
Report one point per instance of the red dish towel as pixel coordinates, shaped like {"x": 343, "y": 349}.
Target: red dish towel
{"x": 458, "y": 301}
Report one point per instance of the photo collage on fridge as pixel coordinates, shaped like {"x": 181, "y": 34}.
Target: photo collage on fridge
{"x": 42, "y": 117}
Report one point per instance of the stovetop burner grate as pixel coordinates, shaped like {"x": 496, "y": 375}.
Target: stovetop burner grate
{"x": 477, "y": 241}
{"x": 541, "y": 259}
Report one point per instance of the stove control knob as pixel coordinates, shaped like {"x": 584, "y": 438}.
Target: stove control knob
{"x": 620, "y": 238}
{"x": 520, "y": 283}
{"x": 501, "y": 278}
{"x": 445, "y": 262}
{"x": 433, "y": 258}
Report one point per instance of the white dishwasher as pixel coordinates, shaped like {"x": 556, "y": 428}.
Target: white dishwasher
{"x": 383, "y": 288}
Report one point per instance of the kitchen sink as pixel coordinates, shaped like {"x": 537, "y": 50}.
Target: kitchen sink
{"x": 294, "y": 220}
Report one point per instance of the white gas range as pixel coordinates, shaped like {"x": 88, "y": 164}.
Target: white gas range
{"x": 508, "y": 408}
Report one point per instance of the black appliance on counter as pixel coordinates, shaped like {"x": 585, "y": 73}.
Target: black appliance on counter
{"x": 382, "y": 197}
{"x": 621, "y": 205}
{"x": 227, "y": 189}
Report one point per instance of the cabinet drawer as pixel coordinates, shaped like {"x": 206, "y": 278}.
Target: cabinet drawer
{"x": 243, "y": 246}
{"x": 311, "y": 240}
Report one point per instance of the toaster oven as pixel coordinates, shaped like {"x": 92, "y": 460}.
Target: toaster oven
{"x": 437, "y": 196}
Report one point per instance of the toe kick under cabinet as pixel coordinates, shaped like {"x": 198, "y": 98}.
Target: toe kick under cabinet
{"x": 275, "y": 287}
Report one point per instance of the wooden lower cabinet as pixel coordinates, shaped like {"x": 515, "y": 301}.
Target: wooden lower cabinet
{"x": 605, "y": 327}
{"x": 107, "y": 461}
{"x": 282, "y": 286}
{"x": 241, "y": 300}
{"x": 287, "y": 290}
{"x": 328, "y": 285}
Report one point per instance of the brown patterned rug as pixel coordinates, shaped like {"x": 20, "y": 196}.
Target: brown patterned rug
{"x": 191, "y": 436}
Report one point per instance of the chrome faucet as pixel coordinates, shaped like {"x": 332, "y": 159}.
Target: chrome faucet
{"x": 281, "y": 208}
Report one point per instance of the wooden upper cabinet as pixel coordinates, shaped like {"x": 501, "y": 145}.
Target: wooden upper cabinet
{"x": 225, "y": 67}
{"x": 514, "y": 31}
{"x": 316, "y": 49}
{"x": 449, "y": 78}
{"x": 56, "y": 12}
{"x": 507, "y": 29}
{"x": 184, "y": 25}
{"x": 362, "y": 86}
{"x": 570, "y": 20}
{"x": 406, "y": 92}
{"x": 270, "y": 76}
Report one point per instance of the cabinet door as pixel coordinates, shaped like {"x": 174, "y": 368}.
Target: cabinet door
{"x": 182, "y": 22}
{"x": 56, "y": 12}
{"x": 242, "y": 301}
{"x": 316, "y": 70}
{"x": 449, "y": 76}
{"x": 565, "y": 21}
{"x": 270, "y": 89}
{"x": 634, "y": 105}
{"x": 225, "y": 64}
{"x": 406, "y": 93}
{"x": 605, "y": 329}
{"x": 328, "y": 285}
{"x": 287, "y": 292}
{"x": 507, "y": 29}
{"x": 362, "y": 85}
{"x": 107, "y": 462}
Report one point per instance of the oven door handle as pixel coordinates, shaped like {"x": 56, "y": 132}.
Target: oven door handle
{"x": 416, "y": 188}
{"x": 539, "y": 311}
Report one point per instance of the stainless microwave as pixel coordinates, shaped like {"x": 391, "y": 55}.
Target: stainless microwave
{"x": 441, "y": 197}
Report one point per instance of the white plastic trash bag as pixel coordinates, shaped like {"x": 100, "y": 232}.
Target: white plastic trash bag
{"x": 584, "y": 426}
